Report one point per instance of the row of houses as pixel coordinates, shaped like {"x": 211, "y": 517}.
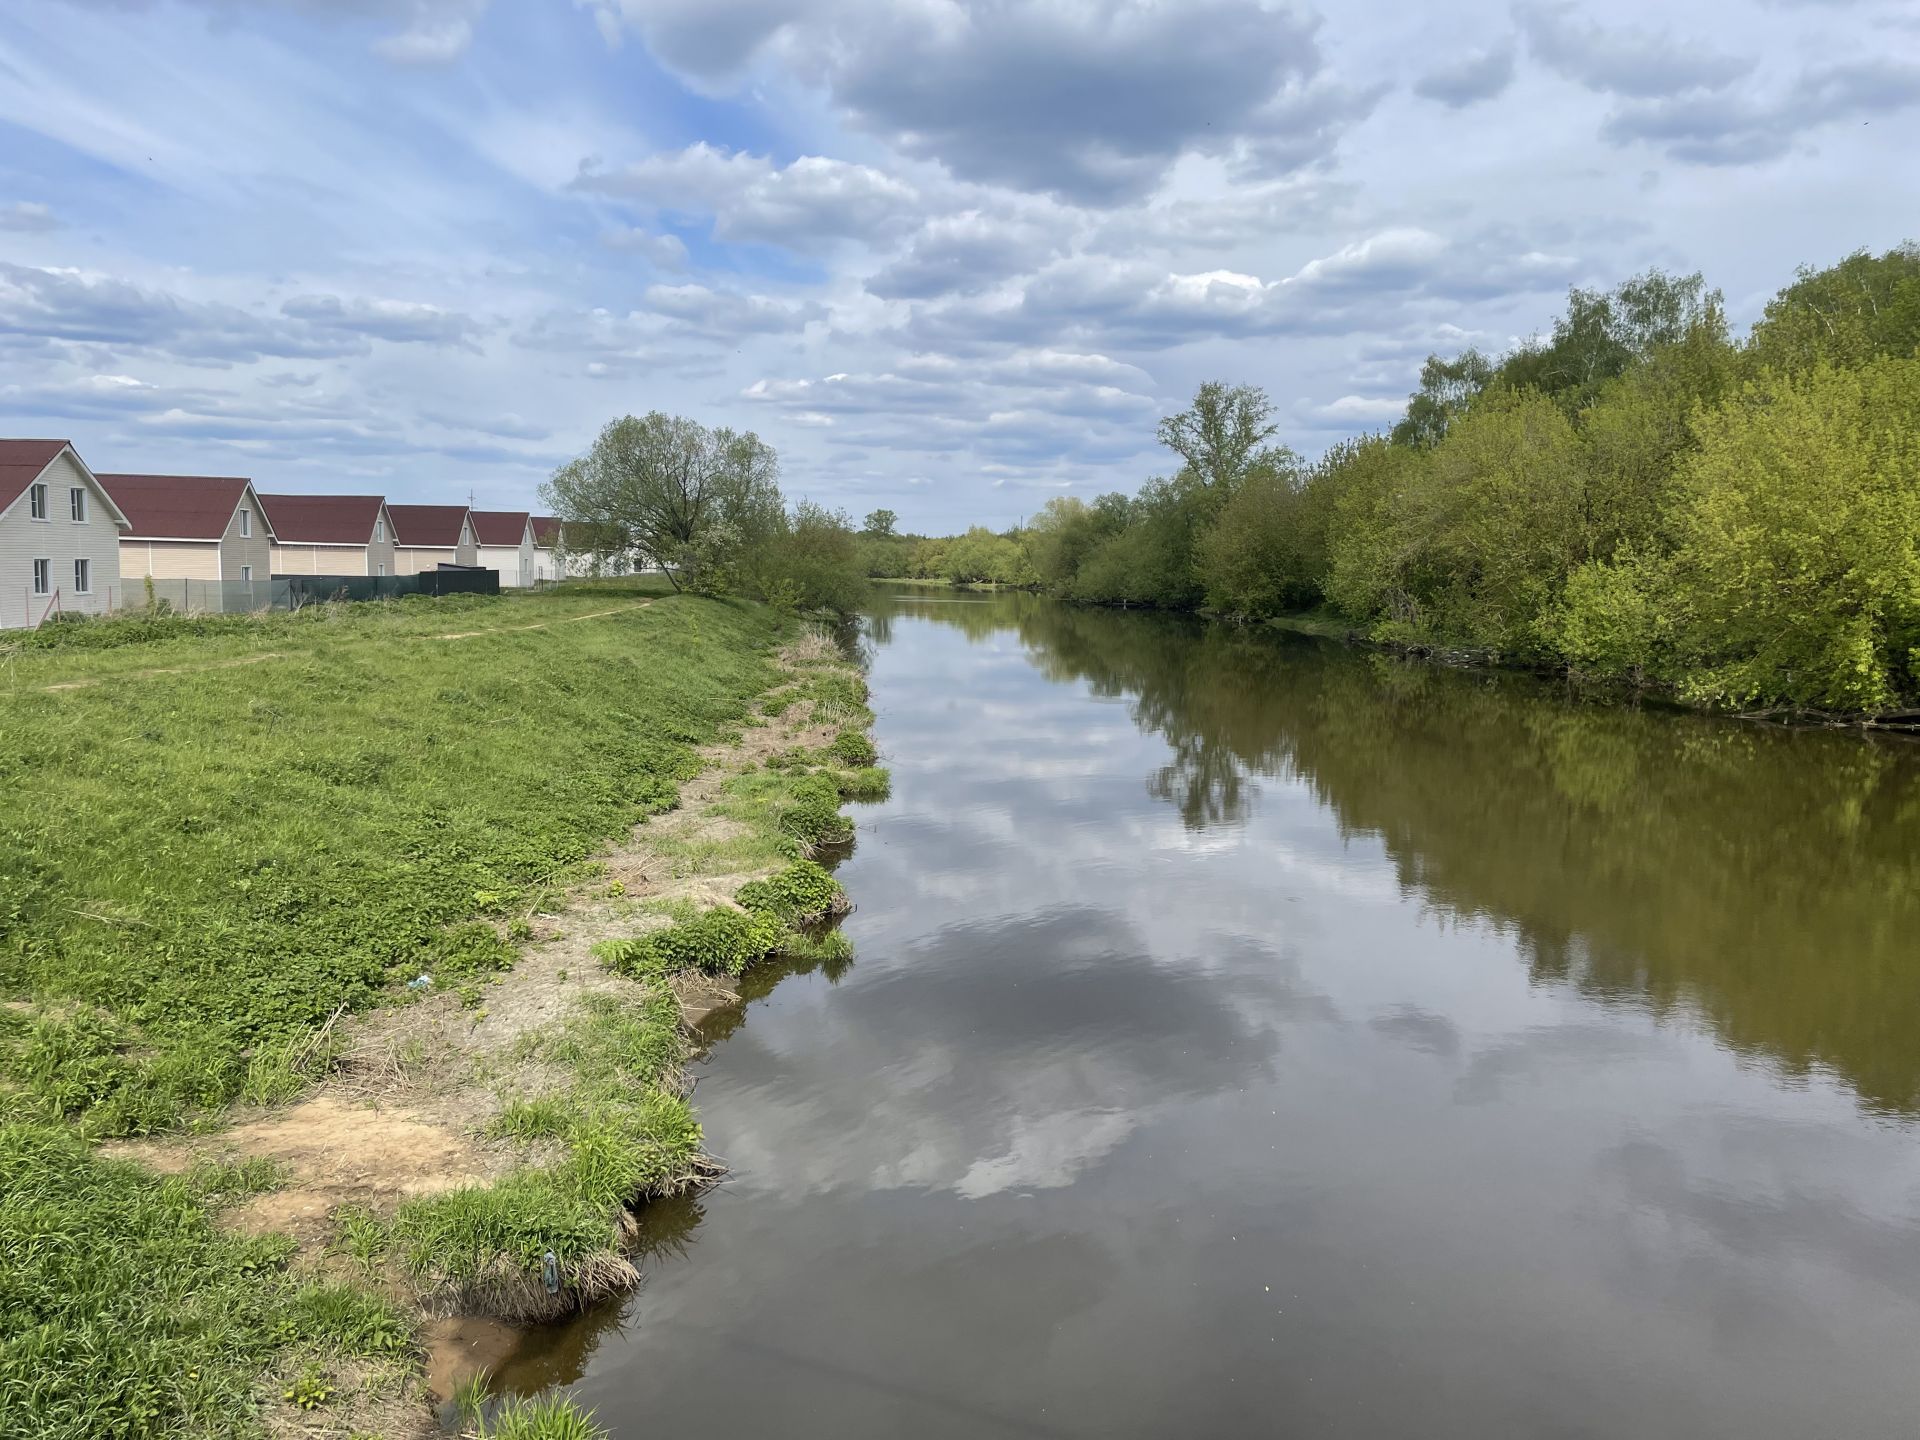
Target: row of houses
{"x": 76, "y": 539}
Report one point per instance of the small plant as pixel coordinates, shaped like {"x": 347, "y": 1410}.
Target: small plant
{"x": 469, "y": 1397}
{"x": 310, "y": 1388}
{"x": 362, "y": 1236}
{"x": 852, "y": 747}
{"x": 519, "y": 931}
{"x": 802, "y": 891}
{"x": 720, "y": 942}
{"x": 869, "y": 783}
{"x": 550, "y": 1417}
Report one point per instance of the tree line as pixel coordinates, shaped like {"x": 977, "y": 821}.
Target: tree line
{"x": 1637, "y": 494}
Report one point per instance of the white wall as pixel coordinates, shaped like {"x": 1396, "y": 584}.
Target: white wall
{"x": 59, "y": 540}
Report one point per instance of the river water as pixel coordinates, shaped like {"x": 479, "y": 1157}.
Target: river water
{"x": 1249, "y": 1035}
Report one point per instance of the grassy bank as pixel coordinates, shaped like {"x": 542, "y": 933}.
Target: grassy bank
{"x": 221, "y": 840}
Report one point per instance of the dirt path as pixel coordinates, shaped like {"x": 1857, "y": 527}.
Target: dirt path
{"x": 93, "y": 680}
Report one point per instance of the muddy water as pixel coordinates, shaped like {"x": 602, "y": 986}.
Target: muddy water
{"x": 1252, "y": 1036}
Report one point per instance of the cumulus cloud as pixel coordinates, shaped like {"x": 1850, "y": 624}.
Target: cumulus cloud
{"x": 400, "y": 321}
{"x": 1469, "y": 80}
{"x": 1091, "y": 102}
{"x": 1639, "y": 63}
{"x": 72, "y": 305}
{"x": 1709, "y": 129}
{"x": 27, "y": 217}
{"x": 726, "y": 315}
{"x": 668, "y": 252}
{"x": 811, "y": 201}
{"x": 965, "y": 253}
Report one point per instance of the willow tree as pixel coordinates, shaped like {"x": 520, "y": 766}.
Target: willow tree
{"x": 672, "y": 494}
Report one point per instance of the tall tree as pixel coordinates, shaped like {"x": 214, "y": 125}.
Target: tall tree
{"x": 1223, "y": 436}
{"x": 669, "y": 490}
{"x": 1447, "y": 387}
{"x": 880, "y": 524}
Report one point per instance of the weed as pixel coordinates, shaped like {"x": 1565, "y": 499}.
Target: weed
{"x": 719, "y": 942}
{"x": 803, "y": 891}
{"x": 362, "y": 1235}
{"x": 853, "y": 747}
{"x": 548, "y": 1417}
{"x": 868, "y": 783}
{"x": 310, "y": 1388}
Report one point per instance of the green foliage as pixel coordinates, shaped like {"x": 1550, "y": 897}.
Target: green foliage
{"x": 811, "y": 563}
{"x": 718, "y": 942}
{"x": 1864, "y": 308}
{"x": 981, "y": 557}
{"x": 853, "y": 747}
{"x": 868, "y": 783}
{"x": 310, "y": 1389}
{"x": 1610, "y": 498}
{"x": 803, "y": 891}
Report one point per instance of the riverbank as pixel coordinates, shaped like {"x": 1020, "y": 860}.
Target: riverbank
{"x": 410, "y": 1035}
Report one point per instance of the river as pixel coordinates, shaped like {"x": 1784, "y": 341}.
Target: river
{"x": 1251, "y": 1035}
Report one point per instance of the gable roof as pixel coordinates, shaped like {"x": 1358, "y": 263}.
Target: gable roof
{"x": 24, "y": 461}
{"x": 322, "y": 519}
{"x": 177, "y": 507}
{"x": 546, "y": 531}
{"x": 499, "y": 527}
{"x": 432, "y": 525}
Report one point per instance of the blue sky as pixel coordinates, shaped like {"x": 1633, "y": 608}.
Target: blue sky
{"x": 951, "y": 258}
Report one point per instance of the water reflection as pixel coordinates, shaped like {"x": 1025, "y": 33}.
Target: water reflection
{"x": 1767, "y": 879}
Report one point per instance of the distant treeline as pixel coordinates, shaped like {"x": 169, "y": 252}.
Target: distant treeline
{"x": 1636, "y": 495}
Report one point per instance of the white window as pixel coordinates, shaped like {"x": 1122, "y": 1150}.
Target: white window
{"x": 246, "y": 574}
{"x": 37, "y": 502}
{"x": 77, "y": 504}
{"x": 246, "y": 523}
{"x": 82, "y": 576}
{"x": 380, "y": 568}
{"x": 379, "y": 530}
{"x": 43, "y": 577}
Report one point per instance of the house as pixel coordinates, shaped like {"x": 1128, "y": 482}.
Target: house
{"x": 428, "y": 536}
{"x": 206, "y": 528}
{"x": 506, "y": 544}
{"x": 548, "y": 548}
{"x": 59, "y": 534}
{"x": 330, "y": 534}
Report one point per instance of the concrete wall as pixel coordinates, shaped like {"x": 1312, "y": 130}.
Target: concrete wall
{"x": 60, "y": 541}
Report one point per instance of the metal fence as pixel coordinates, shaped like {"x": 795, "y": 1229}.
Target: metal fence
{"x": 238, "y": 597}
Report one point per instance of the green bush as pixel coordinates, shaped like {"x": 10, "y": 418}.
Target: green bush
{"x": 719, "y": 942}
{"x": 803, "y": 891}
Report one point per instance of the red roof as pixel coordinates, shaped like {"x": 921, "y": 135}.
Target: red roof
{"x": 500, "y": 527}
{"x": 176, "y": 507}
{"x": 433, "y": 525}
{"x": 546, "y": 531}
{"x": 21, "y": 462}
{"x": 322, "y": 519}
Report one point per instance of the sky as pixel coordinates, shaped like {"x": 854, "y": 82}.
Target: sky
{"x": 949, "y": 258}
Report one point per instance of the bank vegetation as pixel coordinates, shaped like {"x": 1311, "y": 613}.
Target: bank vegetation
{"x": 1636, "y": 497}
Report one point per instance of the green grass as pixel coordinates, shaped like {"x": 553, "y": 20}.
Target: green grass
{"x": 129, "y": 1312}
{"x": 205, "y": 865}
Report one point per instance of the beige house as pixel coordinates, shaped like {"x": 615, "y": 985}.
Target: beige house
{"x": 429, "y": 536}
{"x": 506, "y": 544}
{"x": 198, "y": 528}
{"x": 330, "y": 534}
{"x": 59, "y": 535}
